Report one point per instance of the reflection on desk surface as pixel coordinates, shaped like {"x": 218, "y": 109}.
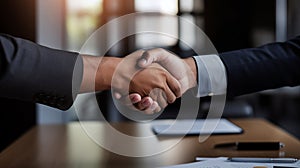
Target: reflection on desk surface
{"x": 69, "y": 146}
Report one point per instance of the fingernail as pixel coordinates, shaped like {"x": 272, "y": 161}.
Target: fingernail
{"x": 117, "y": 95}
{"x": 133, "y": 98}
{"x": 142, "y": 62}
{"x": 146, "y": 103}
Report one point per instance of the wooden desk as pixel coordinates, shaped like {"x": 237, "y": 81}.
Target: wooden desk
{"x": 67, "y": 146}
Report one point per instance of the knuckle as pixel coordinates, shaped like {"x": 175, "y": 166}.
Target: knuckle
{"x": 172, "y": 100}
{"x": 177, "y": 90}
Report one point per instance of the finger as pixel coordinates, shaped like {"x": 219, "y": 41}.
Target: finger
{"x": 168, "y": 94}
{"x": 161, "y": 100}
{"x": 130, "y": 99}
{"x": 117, "y": 95}
{"x": 158, "y": 55}
{"x": 135, "y": 98}
{"x": 174, "y": 85}
{"x": 145, "y": 60}
{"x": 154, "y": 108}
{"x": 145, "y": 103}
{"x": 166, "y": 59}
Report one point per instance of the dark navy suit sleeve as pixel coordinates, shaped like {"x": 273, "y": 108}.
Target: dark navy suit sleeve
{"x": 34, "y": 73}
{"x": 270, "y": 66}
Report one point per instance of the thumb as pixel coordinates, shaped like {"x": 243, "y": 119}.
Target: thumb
{"x": 145, "y": 60}
{"x": 117, "y": 95}
{"x": 157, "y": 55}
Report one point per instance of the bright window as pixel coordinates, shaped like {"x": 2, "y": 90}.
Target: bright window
{"x": 82, "y": 18}
{"x": 161, "y": 6}
{"x": 162, "y": 23}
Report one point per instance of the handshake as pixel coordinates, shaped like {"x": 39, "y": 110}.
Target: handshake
{"x": 146, "y": 81}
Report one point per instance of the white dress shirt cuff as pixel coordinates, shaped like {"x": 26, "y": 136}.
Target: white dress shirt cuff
{"x": 212, "y": 78}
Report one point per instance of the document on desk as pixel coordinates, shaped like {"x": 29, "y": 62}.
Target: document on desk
{"x": 195, "y": 127}
{"x": 219, "y": 163}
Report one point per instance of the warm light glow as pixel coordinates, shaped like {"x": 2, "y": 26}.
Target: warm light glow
{"x": 83, "y": 17}
{"x": 76, "y": 5}
{"x": 159, "y": 22}
{"x": 187, "y": 5}
{"x": 161, "y": 6}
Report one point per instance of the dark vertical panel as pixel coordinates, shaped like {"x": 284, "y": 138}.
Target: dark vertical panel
{"x": 17, "y": 18}
{"x": 230, "y": 23}
{"x": 227, "y": 23}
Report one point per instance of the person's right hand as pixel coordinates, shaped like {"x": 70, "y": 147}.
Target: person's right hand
{"x": 125, "y": 77}
{"x": 184, "y": 70}
{"x": 156, "y": 83}
{"x": 153, "y": 83}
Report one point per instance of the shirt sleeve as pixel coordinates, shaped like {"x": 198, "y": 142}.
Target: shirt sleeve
{"x": 35, "y": 73}
{"x": 211, "y": 75}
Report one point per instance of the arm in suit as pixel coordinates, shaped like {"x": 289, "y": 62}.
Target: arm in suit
{"x": 27, "y": 73}
{"x": 239, "y": 72}
{"x": 31, "y": 72}
{"x": 270, "y": 66}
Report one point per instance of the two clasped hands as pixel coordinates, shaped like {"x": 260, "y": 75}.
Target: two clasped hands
{"x": 146, "y": 81}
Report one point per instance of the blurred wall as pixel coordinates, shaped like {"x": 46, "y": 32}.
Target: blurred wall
{"x": 17, "y": 18}
{"x": 50, "y": 32}
{"x": 293, "y": 18}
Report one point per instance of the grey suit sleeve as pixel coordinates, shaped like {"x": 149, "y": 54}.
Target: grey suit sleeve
{"x": 34, "y": 73}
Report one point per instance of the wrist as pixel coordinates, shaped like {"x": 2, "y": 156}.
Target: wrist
{"x": 105, "y": 73}
{"x": 192, "y": 72}
{"x": 97, "y": 73}
{"x": 89, "y": 71}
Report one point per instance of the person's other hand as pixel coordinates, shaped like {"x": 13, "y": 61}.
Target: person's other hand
{"x": 98, "y": 73}
{"x": 157, "y": 83}
{"x": 166, "y": 88}
{"x": 184, "y": 70}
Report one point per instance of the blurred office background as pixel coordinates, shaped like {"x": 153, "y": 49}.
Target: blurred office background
{"x": 230, "y": 25}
